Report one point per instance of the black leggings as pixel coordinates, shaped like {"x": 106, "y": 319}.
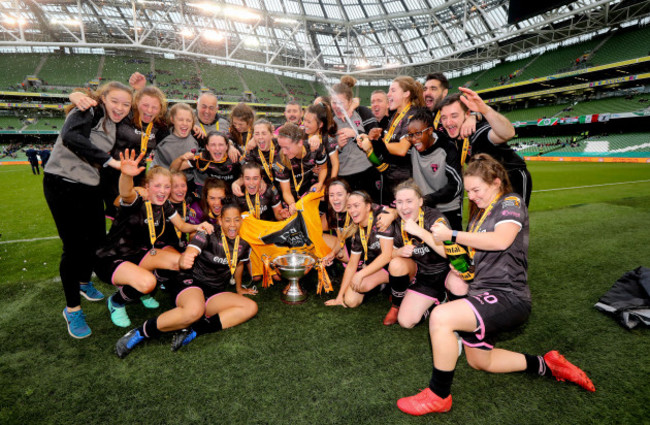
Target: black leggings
{"x": 78, "y": 213}
{"x": 522, "y": 183}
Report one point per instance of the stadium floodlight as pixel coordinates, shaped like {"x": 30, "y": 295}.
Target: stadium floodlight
{"x": 187, "y": 33}
{"x": 363, "y": 64}
{"x": 212, "y": 35}
{"x": 13, "y": 21}
{"x": 208, "y": 7}
{"x": 287, "y": 21}
{"x": 251, "y": 42}
{"x": 240, "y": 14}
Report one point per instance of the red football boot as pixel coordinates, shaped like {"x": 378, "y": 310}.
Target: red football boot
{"x": 563, "y": 370}
{"x": 391, "y": 316}
{"x": 424, "y": 402}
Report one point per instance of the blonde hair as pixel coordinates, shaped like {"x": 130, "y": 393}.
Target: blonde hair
{"x": 157, "y": 171}
{"x": 181, "y": 107}
{"x": 154, "y": 92}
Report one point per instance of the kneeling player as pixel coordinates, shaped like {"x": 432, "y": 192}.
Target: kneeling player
{"x": 203, "y": 302}
{"x": 498, "y": 297}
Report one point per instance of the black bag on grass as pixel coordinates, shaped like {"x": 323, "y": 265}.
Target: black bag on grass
{"x": 629, "y": 299}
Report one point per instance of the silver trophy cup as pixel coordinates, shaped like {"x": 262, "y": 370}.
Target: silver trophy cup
{"x": 293, "y": 266}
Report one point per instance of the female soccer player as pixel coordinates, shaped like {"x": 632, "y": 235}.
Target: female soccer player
{"x": 241, "y": 125}
{"x": 371, "y": 252}
{"x": 180, "y": 141}
{"x": 178, "y": 198}
{"x": 211, "y": 162}
{"x": 203, "y": 302}
{"x": 208, "y": 207}
{"x": 413, "y": 258}
{"x": 71, "y": 185}
{"x": 144, "y": 127}
{"x": 338, "y": 219}
{"x": 354, "y": 166}
{"x": 498, "y": 297}
{"x": 265, "y": 205}
{"x": 129, "y": 256}
{"x": 295, "y": 167}
{"x": 265, "y": 150}
{"x": 404, "y": 94}
{"x": 321, "y": 130}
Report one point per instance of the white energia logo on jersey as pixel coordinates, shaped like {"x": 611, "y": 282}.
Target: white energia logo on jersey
{"x": 421, "y": 250}
{"x": 220, "y": 260}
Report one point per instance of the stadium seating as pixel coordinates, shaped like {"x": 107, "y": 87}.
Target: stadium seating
{"x": 15, "y": 67}
{"x": 528, "y": 114}
{"x": 177, "y": 78}
{"x": 562, "y": 59}
{"x": 11, "y": 123}
{"x": 299, "y": 89}
{"x": 264, "y": 86}
{"x": 222, "y": 80}
{"x": 623, "y": 45}
{"x": 120, "y": 68}
{"x": 69, "y": 70}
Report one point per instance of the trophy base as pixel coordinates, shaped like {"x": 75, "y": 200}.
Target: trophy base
{"x": 293, "y": 294}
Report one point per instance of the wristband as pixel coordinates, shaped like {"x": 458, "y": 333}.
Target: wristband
{"x": 454, "y": 233}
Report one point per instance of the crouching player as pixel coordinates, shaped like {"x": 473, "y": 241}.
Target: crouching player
{"x": 203, "y": 302}
{"x": 498, "y": 298}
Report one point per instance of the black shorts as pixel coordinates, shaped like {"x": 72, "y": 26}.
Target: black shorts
{"x": 495, "y": 311}
{"x": 185, "y": 281}
{"x": 105, "y": 267}
{"x": 431, "y": 286}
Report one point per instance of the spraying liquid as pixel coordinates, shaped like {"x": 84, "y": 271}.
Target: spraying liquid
{"x": 340, "y": 107}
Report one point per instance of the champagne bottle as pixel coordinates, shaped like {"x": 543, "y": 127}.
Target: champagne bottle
{"x": 378, "y": 163}
{"x": 457, "y": 256}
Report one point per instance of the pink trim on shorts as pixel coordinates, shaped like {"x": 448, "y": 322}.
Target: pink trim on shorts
{"x": 145, "y": 256}
{"x": 434, "y": 299}
{"x": 179, "y": 294}
{"x": 481, "y": 325}
{"x": 115, "y": 271}
{"x": 208, "y": 300}
{"x": 480, "y": 344}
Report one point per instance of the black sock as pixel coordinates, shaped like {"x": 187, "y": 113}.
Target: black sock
{"x": 536, "y": 365}
{"x": 150, "y": 328}
{"x": 207, "y": 325}
{"x": 441, "y": 381}
{"x": 398, "y": 285}
{"x": 126, "y": 294}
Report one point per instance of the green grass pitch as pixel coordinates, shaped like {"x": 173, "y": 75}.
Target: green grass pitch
{"x": 312, "y": 364}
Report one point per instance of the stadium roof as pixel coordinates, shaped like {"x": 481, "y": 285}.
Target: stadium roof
{"x": 370, "y": 38}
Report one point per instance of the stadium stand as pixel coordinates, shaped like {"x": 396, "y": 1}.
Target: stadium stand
{"x": 11, "y": 123}
{"x": 222, "y": 80}
{"x": 14, "y": 68}
{"x": 562, "y": 59}
{"x": 120, "y": 68}
{"x": 264, "y": 86}
{"x": 69, "y": 70}
{"x": 623, "y": 45}
{"x": 298, "y": 89}
{"x": 178, "y": 79}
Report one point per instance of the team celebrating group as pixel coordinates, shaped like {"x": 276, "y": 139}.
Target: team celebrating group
{"x": 393, "y": 175}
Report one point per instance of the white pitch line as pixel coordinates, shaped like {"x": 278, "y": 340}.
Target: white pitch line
{"x": 29, "y": 240}
{"x": 593, "y": 185}
{"x": 534, "y": 191}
